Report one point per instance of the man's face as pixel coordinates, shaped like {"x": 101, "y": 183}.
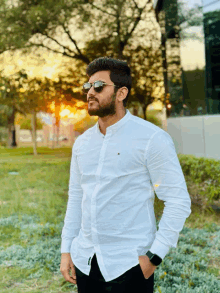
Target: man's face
{"x": 101, "y": 104}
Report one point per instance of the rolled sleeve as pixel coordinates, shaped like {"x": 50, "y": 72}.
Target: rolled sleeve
{"x": 72, "y": 221}
{"x": 169, "y": 184}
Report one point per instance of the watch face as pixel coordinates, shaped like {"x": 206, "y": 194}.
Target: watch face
{"x": 156, "y": 260}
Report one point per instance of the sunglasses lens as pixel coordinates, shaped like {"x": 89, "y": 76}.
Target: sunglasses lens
{"x": 86, "y": 87}
{"x": 99, "y": 89}
{"x": 98, "y": 86}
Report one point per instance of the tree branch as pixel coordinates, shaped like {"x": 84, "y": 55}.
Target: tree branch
{"x": 137, "y": 20}
{"x": 76, "y": 56}
{"x": 103, "y": 11}
{"x": 74, "y": 42}
{"x": 148, "y": 1}
{"x": 135, "y": 4}
{"x": 64, "y": 47}
{"x": 48, "y": 48}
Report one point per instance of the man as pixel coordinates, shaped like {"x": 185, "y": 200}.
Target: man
{"x": 109, "y": 239}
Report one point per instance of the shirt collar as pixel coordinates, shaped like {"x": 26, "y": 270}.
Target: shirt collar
{"x": 114, "y": 127}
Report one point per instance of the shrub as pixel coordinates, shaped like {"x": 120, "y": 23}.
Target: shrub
{"x": 204, "y": 173}
{"x": 184, "y": 269}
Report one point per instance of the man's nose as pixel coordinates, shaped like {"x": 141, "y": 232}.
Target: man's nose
{"x": 91, "y": 93}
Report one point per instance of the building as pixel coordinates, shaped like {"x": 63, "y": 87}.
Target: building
{"x": 190, "y": 38}
{"x": 190, "y": 34}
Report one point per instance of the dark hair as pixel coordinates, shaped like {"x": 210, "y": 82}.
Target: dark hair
{"x": 120, "y": 73}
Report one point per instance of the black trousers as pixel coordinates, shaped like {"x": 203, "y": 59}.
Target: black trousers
{"x": 131, "y": 281}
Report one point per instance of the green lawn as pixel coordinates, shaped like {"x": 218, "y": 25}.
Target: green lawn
{"x": 33, "y": 198}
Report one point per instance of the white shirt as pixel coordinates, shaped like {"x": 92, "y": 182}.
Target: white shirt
{"x": 110, "y": 208}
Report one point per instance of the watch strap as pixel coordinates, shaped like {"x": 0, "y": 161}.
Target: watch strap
{"x": 154, "y": 258}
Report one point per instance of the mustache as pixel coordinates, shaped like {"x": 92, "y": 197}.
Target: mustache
{"x": 92, "y": 100}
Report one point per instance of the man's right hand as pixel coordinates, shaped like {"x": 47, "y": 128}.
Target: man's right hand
{"x": 65, "y": 265}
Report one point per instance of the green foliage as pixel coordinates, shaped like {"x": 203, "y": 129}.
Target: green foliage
{"x": 33, "y": 205}
{"x": 53, "y": 22}
{"x": 10, "y": 91}
{"x": 147, "y": 75}
{"x": 3, "y": 136}
{"x": 153, "y": 119}
{"x": 25, "y": 123}
{"x": 205, "y": 172}
{"x": 25, "y": 18}
{"x": 3, "y": 117}
{"x": 108, "y": 27}
{"x": 184, "y": 268}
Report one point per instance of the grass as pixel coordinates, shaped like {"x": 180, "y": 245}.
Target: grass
{"x": 39, "y": 191}
{"x": 32, "y": 209}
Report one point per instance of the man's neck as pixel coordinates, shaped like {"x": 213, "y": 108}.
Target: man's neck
{"x": 107, "y": 121}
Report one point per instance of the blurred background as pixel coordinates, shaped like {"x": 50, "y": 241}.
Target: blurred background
{"x": 173, "y": 48}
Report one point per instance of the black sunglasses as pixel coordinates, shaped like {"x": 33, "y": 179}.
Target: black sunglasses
{"x": 98, "y": 86}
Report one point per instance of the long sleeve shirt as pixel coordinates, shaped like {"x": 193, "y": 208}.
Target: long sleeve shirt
{"x": 110, "y": 209}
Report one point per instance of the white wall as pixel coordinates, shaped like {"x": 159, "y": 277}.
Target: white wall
{"x": 196, "y": 135}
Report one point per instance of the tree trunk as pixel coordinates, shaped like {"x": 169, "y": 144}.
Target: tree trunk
{"x": 57, "y": 132}
{"x": 9, "y": 141}
{"x": 135, "y": 111}
{"x": 34, "y": 136}
{"x": 144, "y": 108}
{"x": 11, "y": 130}
{"x": 14, "y": 143}
{"x": 57, "y": 122}
{"x": 54, "y": 132}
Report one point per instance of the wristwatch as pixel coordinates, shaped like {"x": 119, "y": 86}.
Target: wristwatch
{"x": 154, "y": 258}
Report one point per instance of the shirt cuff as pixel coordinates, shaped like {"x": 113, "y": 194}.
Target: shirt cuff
{"x": 65, "y": 246}
{"x": 159, "y": 248}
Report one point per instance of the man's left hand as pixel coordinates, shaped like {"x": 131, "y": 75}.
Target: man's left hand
{"x": 146, "y": 266}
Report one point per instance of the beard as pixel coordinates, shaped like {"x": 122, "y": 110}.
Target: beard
{"x": 105, "y": 110}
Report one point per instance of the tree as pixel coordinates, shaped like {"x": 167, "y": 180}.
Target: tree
{"x": 27, "y": 123}
{"x": 21, "y": 95}
{"x": 33, "y": 101}
{"x": 27, "y": 24}
{"x": 64, "y": 90}
{"x": 3, "y": 123}
{"x": 111, "y": 28}
{"x": 39, "y": 95}
{"x": 10, "y": 92}
{"x": 3, "y": 116}
{"x": 147, "y": 76}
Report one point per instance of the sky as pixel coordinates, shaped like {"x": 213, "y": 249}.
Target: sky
{"x": 210, "y": 5}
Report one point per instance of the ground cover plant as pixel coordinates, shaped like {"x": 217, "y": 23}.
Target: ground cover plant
{"x": 33, "y": 197}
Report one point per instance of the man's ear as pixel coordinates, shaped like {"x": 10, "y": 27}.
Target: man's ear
{"x": 122, "y": 93}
